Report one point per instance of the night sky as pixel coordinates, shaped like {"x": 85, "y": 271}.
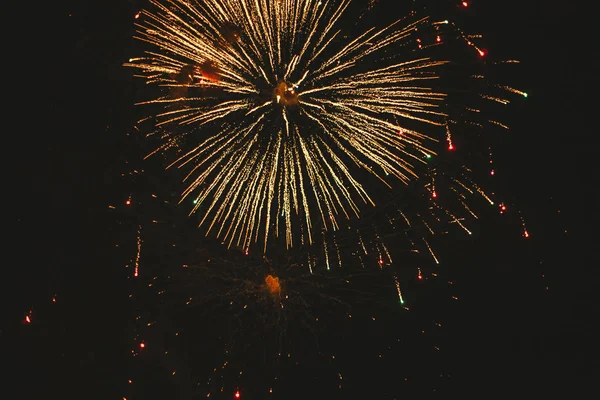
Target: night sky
{"x": 524, "y": 325}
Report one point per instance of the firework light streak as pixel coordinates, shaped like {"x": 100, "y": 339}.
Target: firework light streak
{"x": 136, "y": 266}
{"x": 296, "y": 115}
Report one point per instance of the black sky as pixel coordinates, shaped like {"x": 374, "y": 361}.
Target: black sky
{"x": 66, "y": 143}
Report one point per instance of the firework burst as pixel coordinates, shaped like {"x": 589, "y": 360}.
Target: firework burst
{"x": 281, "y": 121}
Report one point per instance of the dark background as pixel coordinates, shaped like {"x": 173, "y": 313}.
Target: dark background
{"x": 65, "y": 141}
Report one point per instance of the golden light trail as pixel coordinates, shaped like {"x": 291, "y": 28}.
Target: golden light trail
{"x": 397, "y": 283}
{"x": 136, "y": 266}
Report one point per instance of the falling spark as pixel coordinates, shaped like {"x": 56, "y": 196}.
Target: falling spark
{"x": 431, "y": 252}
{"x": 136, "y": 266}
{"x": 398, "y": 289}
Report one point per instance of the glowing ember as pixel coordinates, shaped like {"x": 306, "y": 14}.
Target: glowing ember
{"x": 273, "y": 285}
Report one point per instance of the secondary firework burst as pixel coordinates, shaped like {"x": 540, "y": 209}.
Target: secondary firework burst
{"x": 251, "y": 315}
{"x": 283, "y": 114}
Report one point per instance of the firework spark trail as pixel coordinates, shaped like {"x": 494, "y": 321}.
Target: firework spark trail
{"x": 297, "y": 112}
{"x": 136, "y": 265}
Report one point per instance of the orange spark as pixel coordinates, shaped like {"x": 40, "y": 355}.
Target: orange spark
{"x": 273, "y": 285}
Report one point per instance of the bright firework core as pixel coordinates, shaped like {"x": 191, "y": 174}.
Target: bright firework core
{"x": 285, "y": 94}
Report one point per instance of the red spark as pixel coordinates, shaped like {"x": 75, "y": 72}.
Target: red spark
{"x": 482, "y": 52}
{"x": 526, "y": 234}
{"x": 27, "y": 319}
{"x": 434, "y": 195}
{"x": 465, "y": 4}
{"x": 492, "y": 172}
{"x": 142, "y": 345}
{"x": 450, "y": 146}
{"x": 237, "y": 394}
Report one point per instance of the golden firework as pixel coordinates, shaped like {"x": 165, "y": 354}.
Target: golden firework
{"x": 291, "y": 109}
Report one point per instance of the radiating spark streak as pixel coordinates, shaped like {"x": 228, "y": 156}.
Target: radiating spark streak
{"x": 484, "y": 195}
{"x": 512, "y": 90}
{"x": 398, "y": 289}
{"x": 362, "y": 244}
{"x": 404, "y": 217}
{"x": 498, "y": 123}
{"x": 318, "y": 48}
{"x": 458, "y": 221}
{"x": 326, "y": 253}
{"x": 465, "y": 187}
{"x": 258, "y": 107}
{"x": 136, "y": 266}
{"x": 431, "y": 252}
{"x": 494, "y": 98}
{"x": 428, "y": 227}
{"x": 469, "y": 210}
{"x": 387, "y": 253}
